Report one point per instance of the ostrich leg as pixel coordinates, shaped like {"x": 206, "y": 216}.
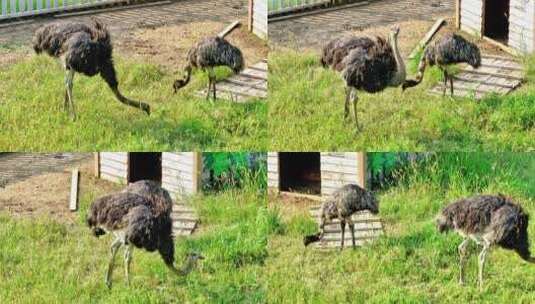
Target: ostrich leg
{"x": 482, "y": 258}
{"x": 343, "y": 226}
{"x": 451, "y": 85}
{"x": 445, "y": 82}
{"x": 352, "y": 227}
{"x": 114, "y": 248}
{"x": 354, "y": 99}
{"x": 127, "y": 260}
{"x": 462, "y": 259}
{"x": 69, "y": 78}
{"x": 346, "y": 104}
{"x": 212, "y": 76}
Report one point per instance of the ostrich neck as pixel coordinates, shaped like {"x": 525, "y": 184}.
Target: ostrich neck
{"x": 401, "y": 74}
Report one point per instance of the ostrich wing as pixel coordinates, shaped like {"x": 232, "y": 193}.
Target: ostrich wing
{"x": 369, "y": 69}
{"x": 337, "y": 49}
{"x": 111, "y": 211}
{"x": 141, "y": 228}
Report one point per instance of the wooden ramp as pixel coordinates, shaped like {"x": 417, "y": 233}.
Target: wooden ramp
{"x": 185, "y": 220}
{"x": 497, "y": 74}
{"x": 368, "y": 227}
{"x": 251, "y": 83}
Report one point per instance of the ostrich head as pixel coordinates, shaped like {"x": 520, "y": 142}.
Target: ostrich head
{"x": 371, "y": 203}
{"x": 191, "y": 263}
{"x": 474, "y": 55}
{"x": 309, "y": 239}
{"x": 394, "y": 31}
{"x": 179, "y": 84}
{"x": 442, "y": 223}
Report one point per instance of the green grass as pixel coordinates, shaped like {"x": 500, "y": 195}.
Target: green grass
{"x": 306, "y": 110}
{"x": 413, "y": 263}
{"x": 48, "y": 262}
{"x": 32, "y": 116}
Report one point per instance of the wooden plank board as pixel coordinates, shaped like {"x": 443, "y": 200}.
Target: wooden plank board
{"x": 251, "y": 83}
{"x": 368, "y": 227}
{"x": 497, "y": 74}
{"x": 185, "y": 220}
{"x": 73, "y": 202}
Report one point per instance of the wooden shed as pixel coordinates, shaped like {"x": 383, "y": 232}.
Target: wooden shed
{"x": 510, "y": 23}
{"x": 315, "y": 173}
{"x": 258, "y": 15}
{"x": 179, "y": 172}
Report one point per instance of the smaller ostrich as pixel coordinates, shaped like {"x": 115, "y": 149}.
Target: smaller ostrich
{"x": 207, "y": 54}
{"x": 85, "y": 48}
{"x": 366, "y": 65}
{"x": 488, "y": 220}
{"x": 343, "y": 204}
{"x": 140, "y": 221}
{"x": 450, "y": 49}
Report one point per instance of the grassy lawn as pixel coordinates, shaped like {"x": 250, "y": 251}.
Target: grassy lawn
{"x": 307, "y": 105}
{"x": 413, "y": 263}
{"x": 43, "y": 261}
{"x": 32, "y": 116}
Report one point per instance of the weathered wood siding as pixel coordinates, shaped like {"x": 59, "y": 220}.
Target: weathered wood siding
{"x": 273, "y": 170}
{"x": 471, "y": 16}
{"x": 180, "y": 172}
{"x": 522, "y": 25}
{"x": 521, "y": 22}
{"x": 114, "y": 166}
{"x": 259, "y": 18}
{"x": 338, "y": 169}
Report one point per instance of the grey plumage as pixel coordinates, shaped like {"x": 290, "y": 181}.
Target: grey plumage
{"x": 366, "y": 64}
{"x": 343, "y": 203}
{"x": 85, "y": 48}
{"x": 207, "y": 54}
{"x": 448, "y": 50}
{"x": 488, "y": 220}
{"x": 139, "y": 216}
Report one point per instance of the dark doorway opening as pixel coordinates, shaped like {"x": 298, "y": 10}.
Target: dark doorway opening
{"x": 300, "y": 172}
{"x": 142, "y": 165}
{"x": 496, "y": 23}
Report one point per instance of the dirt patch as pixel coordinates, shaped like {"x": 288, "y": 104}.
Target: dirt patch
{"x": 47, "y": 195}
{"x": 168, "y": 45}
{"x": 290, "y": 205}
{"x": 12, "y": 56}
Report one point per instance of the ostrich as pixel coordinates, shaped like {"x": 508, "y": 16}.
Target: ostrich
{"x": 84, "y": 48}
{"x": 450, "y": 49}
{"x": 344, "y": 202}
{"x": 366, "y": 64}
{"x": 487, "y": 220}
{"x": 139, "y": 221}
{"x": 209, "y": 53}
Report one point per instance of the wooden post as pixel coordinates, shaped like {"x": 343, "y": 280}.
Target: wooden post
{"x": 228, "y": 29}
{"x": 73, "y": 203}
{"x": 458, "y": 14}
{"x": 250, "y": 17}
{"x": 362, "y": 169}
{"x": 197, "y": 171}
{"x": 96, "y": 166}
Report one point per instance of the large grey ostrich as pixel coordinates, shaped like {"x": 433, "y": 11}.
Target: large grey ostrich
{"x": 207, "y": 54}
{"x": 487, "y": 220}
{"x": 343, "y": 203}
{"x": 366, "y": 64}
{"x": 448, "y": 50}
{"x": 142, "y": 221}
{"x": 84, "y": 48}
